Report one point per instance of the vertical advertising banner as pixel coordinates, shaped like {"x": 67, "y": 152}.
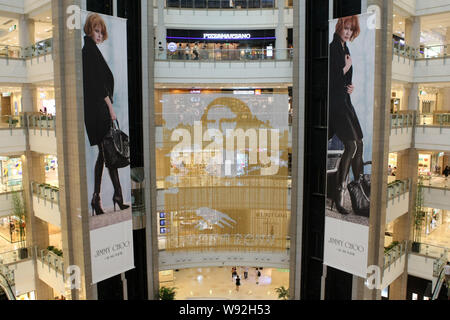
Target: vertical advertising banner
{"x": 105, "y": 84}
{"x": 223, "y": 165}
{"x": 350, "y": 132}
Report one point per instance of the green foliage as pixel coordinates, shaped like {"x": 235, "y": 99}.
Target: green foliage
{"x": 56, "y": 251}
{"x": 283, "y": 293}
{"x": 392, "y": 245}
{"x": 167, "y": 293}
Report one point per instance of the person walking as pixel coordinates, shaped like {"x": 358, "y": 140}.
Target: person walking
{"x": 233, "y": 274}
{"x": 238, "y": 283}
{"x": 246, "y": 273}
{"x": 258, "y": 275}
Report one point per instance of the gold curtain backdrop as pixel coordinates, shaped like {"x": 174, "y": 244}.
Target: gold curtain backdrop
{"x": 214, "y": 205}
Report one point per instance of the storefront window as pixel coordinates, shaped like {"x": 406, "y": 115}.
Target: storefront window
{"x": 424, "y": 164}
{"x": 221, "y": 45}
{"x": 223, "y": 169}
{"x": 11, "y": 174}
{"x": 13, "y": 229}
{"x": 51, "y": 170}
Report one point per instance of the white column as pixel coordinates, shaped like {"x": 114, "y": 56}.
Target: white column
{"x": 29, "y": 98}
{"x": 414, "y": 98}
{"x": 161, "y": 33}
{"x": 281, "y": 34}
{"x": 26, "y": 31}
{"x": 415, "y": 33}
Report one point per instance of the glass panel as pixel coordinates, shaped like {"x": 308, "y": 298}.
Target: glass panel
{"x": 222, "y": 170}
{"x": 213, "y": 4}
{"x": 173, "y": 3}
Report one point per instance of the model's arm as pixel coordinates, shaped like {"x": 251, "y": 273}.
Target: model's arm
{"x": 111, "y": 109}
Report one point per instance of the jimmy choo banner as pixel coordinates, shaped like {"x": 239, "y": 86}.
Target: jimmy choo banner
{"x": 350, "y": 127}
{"x": 105, "y": 83}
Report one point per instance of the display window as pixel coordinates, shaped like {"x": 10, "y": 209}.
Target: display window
{"x": 424, "y": 164}
{"x": 51, "y": 170}
{"x": 12, "y": 229}
{"x": 11, "y": 174}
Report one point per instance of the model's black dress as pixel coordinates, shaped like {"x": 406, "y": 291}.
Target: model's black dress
{"x": 343, "y": 121}
{"x": 98, "y": 83}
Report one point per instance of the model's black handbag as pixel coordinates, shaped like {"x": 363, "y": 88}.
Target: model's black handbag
{"x": 360, "y": 194}
{"x": 116, "y": 148}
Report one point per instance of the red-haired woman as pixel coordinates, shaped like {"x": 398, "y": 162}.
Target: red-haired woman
{"x": 99, "y": 113}
{"x": 344, "y": 122}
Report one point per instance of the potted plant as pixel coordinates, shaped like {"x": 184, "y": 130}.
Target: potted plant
{"x": 419, "y": 217}
{"x": 167, "y": 293}
{"x": 283, "y": 293}
{"x": 19, "y": 213}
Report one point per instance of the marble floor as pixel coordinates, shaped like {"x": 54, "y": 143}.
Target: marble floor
{"x": 217, "y": 283}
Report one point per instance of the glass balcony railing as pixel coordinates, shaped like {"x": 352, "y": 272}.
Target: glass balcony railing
{"x": 52, "y": 260}
{"x": 39, "y": 121}
{"x": 211, "y": 55}
{"x": 434, "y": 119}
{"x": 11, "y": 122}
{"x": 398, "y": 188}
{"x": 424, "y": 52}
{"x": 15, "y": 256}
{"x": 394, "y": 253}
{"x": 40, "y": 48}
{"x": 429, "y": 250}
{"x": 403, "y": 120}
{"x": 223, "y": 4}
{"x": 10, "y": 52}
{"x": 46, "y": 192}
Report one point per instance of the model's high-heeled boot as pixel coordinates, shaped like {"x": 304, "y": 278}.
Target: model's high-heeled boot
{"x": 341, "y": 178}
{"x": 118, "y": 198}
{"x": 96, "y": 204}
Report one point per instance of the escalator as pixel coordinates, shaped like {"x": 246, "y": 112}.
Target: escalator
{"x": 440, "y": 290}
{"x": 6, "y": 292}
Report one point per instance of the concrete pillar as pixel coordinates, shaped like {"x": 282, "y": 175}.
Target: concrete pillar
{"x": 383, "y": 79}
{"x": 415, "y": 32}
{"x": 404, "y": 104}
{"x": 397, "y": 290}
{"x": 71, "y": 150}
{"x": 298, "y": 145}
{"x": 26, "y": 31}
{"x": 148, "y": 85}
{"x": 29, "y": 98}
{"x": 408, "y": 30}
{"x": 161, "y": 32}
{"x": 444, "y": 99}
{"x": 413, "y": 99}
{"x": 281, "y": 34}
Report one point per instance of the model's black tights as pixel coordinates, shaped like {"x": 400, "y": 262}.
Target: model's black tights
{"x": 113, "y": 173}
{"x": 353, "y": 156}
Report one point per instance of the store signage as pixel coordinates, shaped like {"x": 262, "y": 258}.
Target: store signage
{"x": 172, "y": 47}
{"x": 12, "y": 28}
{"x": 251, "y": 92}
{"x": 235, "y": 36}
{"x": 6, "y": 94}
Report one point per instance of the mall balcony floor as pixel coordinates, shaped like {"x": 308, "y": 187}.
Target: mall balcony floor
{"x": 218, "y": 284}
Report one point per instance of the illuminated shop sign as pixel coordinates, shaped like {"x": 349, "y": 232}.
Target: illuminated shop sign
{"x": 235, "y": 36}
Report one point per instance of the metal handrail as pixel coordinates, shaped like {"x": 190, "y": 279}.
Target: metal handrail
{"x": 398, "y": 188}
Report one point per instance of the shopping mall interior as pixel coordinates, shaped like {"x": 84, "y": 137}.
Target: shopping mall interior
{"x": 258, "y": 68}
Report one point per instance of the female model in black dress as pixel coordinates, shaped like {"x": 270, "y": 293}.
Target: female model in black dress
{"x": 98, "y": 110}
{"x": 344, "y": 122}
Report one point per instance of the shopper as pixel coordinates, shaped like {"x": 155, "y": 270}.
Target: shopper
{"x": 238, "y": 282}
{"x": 389, "y": 170}
{"x": 258, "y": 275}
{"x": 446, "y": 172}
{"x": 195, "y": 51}
{"x": 246, "y": 273}
{"x": 187, "y": 52}
{"x": 233, "y": 273}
